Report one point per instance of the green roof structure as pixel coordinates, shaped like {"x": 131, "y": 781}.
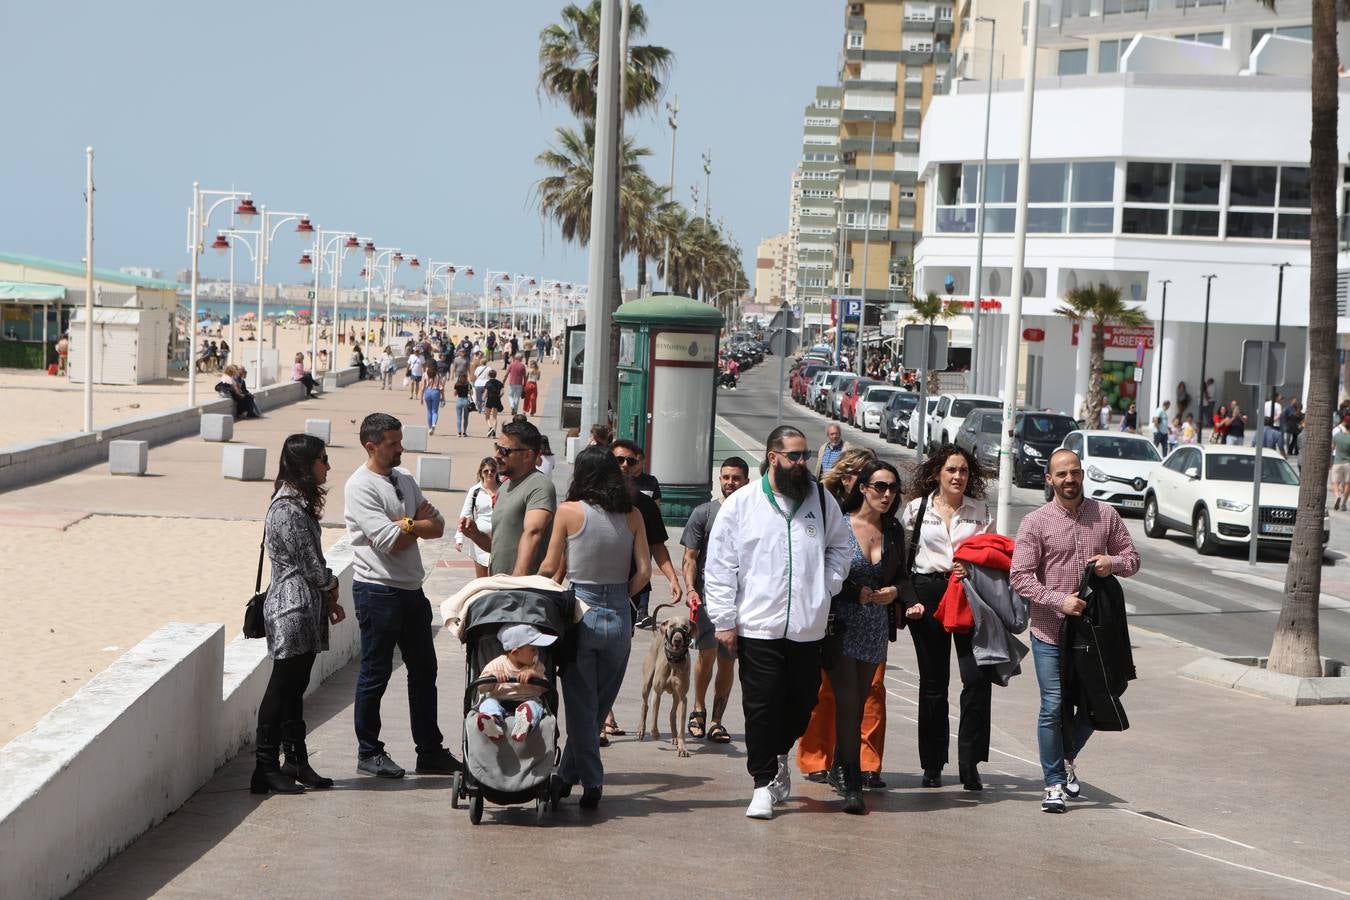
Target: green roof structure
{"x": 669, "y": 309}
{"x": 109, "y": 276}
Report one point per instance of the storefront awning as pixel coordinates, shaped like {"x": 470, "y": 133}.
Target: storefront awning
{"x": 31, "y": 292}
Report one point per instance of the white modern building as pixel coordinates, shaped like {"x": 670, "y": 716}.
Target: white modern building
{"x": 1168, "y": 156}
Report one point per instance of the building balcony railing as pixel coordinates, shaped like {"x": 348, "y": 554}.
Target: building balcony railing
{"x": 919, "y": 25}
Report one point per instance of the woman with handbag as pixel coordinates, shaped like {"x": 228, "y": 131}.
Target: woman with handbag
{"x": 862, "y": 616}
{"x": 478, "y": 504}
{"x": 947, "y": 509}
{"x": 302, "y": 601}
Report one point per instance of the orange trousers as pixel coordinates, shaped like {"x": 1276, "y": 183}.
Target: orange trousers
{"x": 816, "y": 747}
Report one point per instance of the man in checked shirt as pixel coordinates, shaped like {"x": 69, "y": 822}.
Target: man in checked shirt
{"x": 1054, "y": 546}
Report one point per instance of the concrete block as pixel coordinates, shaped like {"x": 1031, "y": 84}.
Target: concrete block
{"x": 244, "y": 463}
{"x": 128, "y": 457}
{"x": 330, "y": 381}
{"x": 320, "y": 428}
{"x": 573, "y": 448}
{"x": 433, "y": 473}
{"x": 415, "y": 438}
{"x": 217, "y": 427}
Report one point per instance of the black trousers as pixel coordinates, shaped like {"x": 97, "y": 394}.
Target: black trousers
{"x": 933, "y": 648}
{"x": 852, "y": 682}
{"x": 780, "y": 680}
{"x": 284, "y": 699}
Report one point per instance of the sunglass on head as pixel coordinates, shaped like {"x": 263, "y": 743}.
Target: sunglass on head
{"x": 507, "y": 451}
{"x": 883, "y": 487}
{"x": 397, "y": 490}
{"x": 794, "y": 455}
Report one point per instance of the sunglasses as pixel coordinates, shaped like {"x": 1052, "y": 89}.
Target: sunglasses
{"x": 626, "y": 460}
{"x": 397, "y": 490}
{"x": 883, "y": 487}
{"x": 507, "y": 451}
{"x": 794, "y": 455}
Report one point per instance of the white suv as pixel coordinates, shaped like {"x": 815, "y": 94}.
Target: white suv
{"x": 950, "y": 413}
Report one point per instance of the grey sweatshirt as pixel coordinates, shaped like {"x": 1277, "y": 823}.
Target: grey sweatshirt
{"x": 372, "y": 508}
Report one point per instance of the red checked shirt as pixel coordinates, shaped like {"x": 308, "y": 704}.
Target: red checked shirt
{"x": 1052, "y": 550}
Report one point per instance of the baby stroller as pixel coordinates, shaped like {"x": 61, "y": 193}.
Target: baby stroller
{"x": 510, "y": 772}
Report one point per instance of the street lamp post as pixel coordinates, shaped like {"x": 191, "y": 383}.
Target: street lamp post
{"x": 337, "y": 244}
{"x": 198, "y": 218}
{"x": 984, "y": 196}
{"x": 1162, "y": 329}
{"x": 1204, "y": 359}
{"x": 674, "y": 119}
{"x": 269, "y": 226}
{"x": 448, "y": 271}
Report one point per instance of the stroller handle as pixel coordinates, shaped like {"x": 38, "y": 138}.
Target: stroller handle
{"x": 493, "y": 679}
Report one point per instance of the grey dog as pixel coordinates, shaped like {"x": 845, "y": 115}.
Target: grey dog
{"x": 666, "y": 671}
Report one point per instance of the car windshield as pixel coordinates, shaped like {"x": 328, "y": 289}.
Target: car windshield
{"x": 1108, "y": 447}
{"x": 1047, "y": 429}
{"x": 903, "y": 401}
{"x": 879, "y": 395}
{"x": 963, "y": 408}
{"x": 1239, "y": 467}
{"x": 990, "y": 424}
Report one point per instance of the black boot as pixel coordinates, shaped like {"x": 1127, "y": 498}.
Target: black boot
{"x": 296, "y": 764}
{"x": 970, "y": 777}
{"x": 853, "y": 791}
{"x": 267, "y": 775}
{"x": 834, "y": 777}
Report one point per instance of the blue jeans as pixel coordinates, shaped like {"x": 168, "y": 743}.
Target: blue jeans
{"x": 513, "y": 394}
{"x": 462, "y": 407}
{"x": 432, "y": 398}
{"x": 393, "y": 617}
{"x": 1054, "y": 745}
{"x": 591, "y": 684}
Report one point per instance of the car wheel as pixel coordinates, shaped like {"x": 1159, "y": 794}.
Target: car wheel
{"x": 1153, "y": 526}
{"x": 1205, "y": 544}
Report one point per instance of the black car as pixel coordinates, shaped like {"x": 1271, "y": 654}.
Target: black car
{"x": 896, "y": 415}
{"x": 1035, "y": 436}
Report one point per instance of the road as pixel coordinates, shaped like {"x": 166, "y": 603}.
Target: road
{"x": 1219, "y": 603}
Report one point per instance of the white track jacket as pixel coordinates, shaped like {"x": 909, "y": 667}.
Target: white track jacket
{"x": 769, "y": 575}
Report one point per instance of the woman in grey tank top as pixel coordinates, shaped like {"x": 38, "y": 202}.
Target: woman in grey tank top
{"x": 600, "y": 534}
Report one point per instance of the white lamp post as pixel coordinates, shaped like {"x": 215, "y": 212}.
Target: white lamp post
{"x": 447, "y": 271}
{"x": 335, "y": 244}
{"x": 267, "y": 232}
{"x": 198, "y": 218}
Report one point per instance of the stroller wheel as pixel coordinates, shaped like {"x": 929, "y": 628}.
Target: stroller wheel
{"x": 476, "y": 808}
{"x": 455, "y": 788}
{"x": 540, "y": 811}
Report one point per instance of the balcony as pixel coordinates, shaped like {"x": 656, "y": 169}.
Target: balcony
{"x": 914, "y": 26}
{"x": 912, "y": 118}
{"x": 916, "y": 57}
{"x": 944, "y": 26}
{"x": 858, "y": 84}
{"x": 869, "y": 115}
{"x": 913, "y": 88}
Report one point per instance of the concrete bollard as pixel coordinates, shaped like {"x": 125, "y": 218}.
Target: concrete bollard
{"x": 433, "y": 473}
{"x": 330, "y": 381}
{"x": 573, "y": 448}
{"x": 320, "y": 428}
{"x": 128, "y": 457}
{"x": 217, "y": 427}
{"x": 415, "y": 438}
{"x": 244, "y": 463}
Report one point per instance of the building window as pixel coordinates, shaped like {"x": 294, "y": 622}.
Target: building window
{"x": 1092, "y": 219}
{"x": 1072, "y": 62}
{"x": 906, "y": 193}
{"x": 1250, "y": 224}
{"x": 1196, "y": 184}
{"x": 1136, "y": 220}
{"x": 1301, "y": 32}
{"x": 1295, "y": 189}
{"x": 1063, "y": 196}
{"x": 1252, "y": 186}
{"x": 918, "y": 45}
{"x": 1148, "y": 182}
{"x": 1255, "y": 193}
{"x": 855, "y": 40}
{"x": 1108, "y": 55}
{"x": 1093, "y": 182}
{"x": 1195, "y": 222}
{"x": 1214, "y": 38}
{"x": 944, "y": 13}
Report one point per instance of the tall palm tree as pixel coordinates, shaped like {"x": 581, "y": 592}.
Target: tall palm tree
{"x": 927, "y": 311}
{"x": 1103, "y": 305}
{"x": 569, "y": 61}
{"x": 565, "y": 195}
{"x": 1294, "y": 650}
{"x": 640, "y": 209}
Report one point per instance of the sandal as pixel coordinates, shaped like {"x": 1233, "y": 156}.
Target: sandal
{"x": 612, "y": 729}
{"x": 698, "y": 723}
{"x": 604, "y": 740}
{"x": 718, "y": 734}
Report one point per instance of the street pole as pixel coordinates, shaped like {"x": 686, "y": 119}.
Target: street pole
{"x": 867, "y": 244}
{"x": 1010, "y": 358}
{"x": 89, "y": 294}
{"x": 233, "y": 346}
{"x": 262, "y": 279}
{"x": 1162, "y": 329}
{"x": 979, "y": 227}
{"x": 314, "y": 308}
{"x": 595, "y": 382}
{"x": 1254, "y": 543}
{"x": 1204, "y": 359}
{"x": 921, "y": 439}
{"x": 1279, "y": 305}
{"x": 674, "y": 120}
{"x": 370, "y": 264}
{"x": 707, "y": 184}
{"x": 195, "y": 239}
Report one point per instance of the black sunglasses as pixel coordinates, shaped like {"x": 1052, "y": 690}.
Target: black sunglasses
{"x": 507, "y": 451}
{"x": 883, "y": 487}
{"x": 324, "y": 459}
{"x": 794, "y": 455}
{"x": 397, "y": 490}
{"x": 626, "y": 460}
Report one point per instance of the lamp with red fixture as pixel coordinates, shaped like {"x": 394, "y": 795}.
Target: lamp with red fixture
{"x": 352, "y": 243}
{"x": 369, "y": 249}
{"x": 414, "y": 263}
{"x": 397, "y": 257}
{"x": 220, "y": 245}
{"x": 305, "y": 260}
{"x": 246, "y": 210}
{"x": 468, "y": 273}
{"x": 304, "y": 227}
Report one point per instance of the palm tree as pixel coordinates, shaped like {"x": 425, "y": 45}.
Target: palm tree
{"x": 565, "y": 195}
{"x": 641, "y": 206}
{"x": 569, "y": 61}
{"x": 927, "y": 311}
{"x": 1294, "y": 650}
{"x": 1104, "y": 306}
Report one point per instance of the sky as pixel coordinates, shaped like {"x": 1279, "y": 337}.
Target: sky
{"x": 414, "y": 123}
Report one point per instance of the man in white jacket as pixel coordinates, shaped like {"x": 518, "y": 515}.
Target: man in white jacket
{"x": 778, "y": 552}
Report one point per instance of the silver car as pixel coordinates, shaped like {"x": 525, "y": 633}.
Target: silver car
{"x": 867, "y": 413}
{"x": 820, "y": 385}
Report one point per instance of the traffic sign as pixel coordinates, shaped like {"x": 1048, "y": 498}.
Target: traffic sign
{"x": 309, "y": 295}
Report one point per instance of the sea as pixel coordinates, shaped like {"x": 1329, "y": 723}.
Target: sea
{"x": 220, "y": 309}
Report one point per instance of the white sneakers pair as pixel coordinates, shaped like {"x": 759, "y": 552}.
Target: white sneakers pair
{"x": 776, "y": 791}
{"x": 493, "y": 726}
{"x": 1055, "y": 793}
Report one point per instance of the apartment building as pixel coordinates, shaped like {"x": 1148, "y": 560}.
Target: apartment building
{"x": 793, "y": 234}
{"x": 813, "y": 226}
{"x": 771, "y": 267}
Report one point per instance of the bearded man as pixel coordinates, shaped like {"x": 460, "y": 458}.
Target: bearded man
{"x": 778, "y": 551}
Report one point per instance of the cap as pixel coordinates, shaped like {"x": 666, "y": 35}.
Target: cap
{"x": 513, "y": 637}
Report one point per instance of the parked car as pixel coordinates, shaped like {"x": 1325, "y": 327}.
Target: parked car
{"x": 801, "y": 380}
{"x": 1035, "y": 436}
{"x": 895, "y": 416}
{"x": 848, "y": 406}
{"x": 1116, "y": 466}
{"x": 951, "y": 411}
{"x": 910, "y": 435}
{"x": 981, "y": 435}
{"x": 836, "y": 395}
{"x": 819, "y": 389}
{"x": 1206, "y": 490}
{"x": 867, "y": 411}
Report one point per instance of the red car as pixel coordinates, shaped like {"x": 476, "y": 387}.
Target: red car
{"x": 850, "y": 401}
{"x": 801, "y": 379}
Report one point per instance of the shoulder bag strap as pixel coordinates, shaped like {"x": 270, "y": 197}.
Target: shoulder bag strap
{"x": 914, "y": 534}
{"x": 257, "y": 582}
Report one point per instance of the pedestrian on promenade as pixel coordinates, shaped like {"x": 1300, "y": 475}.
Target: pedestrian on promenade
{"x": 1220, "y": 432}
{"x": 1272, "y": 425}
{"x": 1237, "y": 425}
{"x": 387, "y": 369}
{"x": 515, "y": 382}
{"x": 492, "y": 401}
{"x": 523, "y": 515}
{"x": 416, "y": 369}
{"x": 629, "y": 456}
{"x": 478, "y": 505}
{"x": 598, "y": 540}
{"x": 386, "y": 516}
{"x": 463, "y": 403}
{"x": 531, "y": 396}
{"x": 1340, "y": 463}
{"x": 1293, "y": 424}
{"x": 480, "y": 380}
{"x": 1162, "y": 416}
{"x": 1055, "y": 545}
{"x": 733, "y": 475}
{"x": 358, "y": 359}
{"x": 1183, "y": 398}
{"x": 947, "y": 507}
{"x": 302, "y": 600}
{"x": 547, "y": 462}
{"x": 299, "y": 374}
{"x": 431, "y": 395}
{"x": 829, "y": 452}
{"x": 777, "y": 553}
{"x": 63, "y": 353}
{"x": 601, "y": 436}
{"x": 1130, "y": 421}
{"x": 840, "y": 477}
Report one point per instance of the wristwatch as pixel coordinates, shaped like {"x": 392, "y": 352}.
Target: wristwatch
{"x": 406, "y": 525}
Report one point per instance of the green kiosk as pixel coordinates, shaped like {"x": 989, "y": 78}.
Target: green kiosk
{"x": 667, "y": 394}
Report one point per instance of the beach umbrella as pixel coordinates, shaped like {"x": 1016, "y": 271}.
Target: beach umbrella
{"x": 304, "y": 312}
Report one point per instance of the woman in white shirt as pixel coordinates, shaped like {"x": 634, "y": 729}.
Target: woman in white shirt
{"x": 949, "y": 488}
{"x": 478, "y": 503}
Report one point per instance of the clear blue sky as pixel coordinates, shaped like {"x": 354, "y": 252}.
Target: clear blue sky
{"x": 414, "y": 122}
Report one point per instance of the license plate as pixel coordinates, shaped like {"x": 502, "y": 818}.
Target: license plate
{"x": 1133, "y": 504}
{"x": 1267, "y": 528}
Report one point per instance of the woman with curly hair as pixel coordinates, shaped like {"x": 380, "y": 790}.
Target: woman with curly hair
{"x": 597, "y": 536}
{"x": 947, "y": 507}
{"x": 302, "y": 600}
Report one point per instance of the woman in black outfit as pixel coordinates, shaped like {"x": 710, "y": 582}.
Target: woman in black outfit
{"x": 948, "y": 509}
{"x": 302, "y": 600}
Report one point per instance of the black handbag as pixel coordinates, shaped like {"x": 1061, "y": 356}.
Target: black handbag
{"x": 254, "y": 626}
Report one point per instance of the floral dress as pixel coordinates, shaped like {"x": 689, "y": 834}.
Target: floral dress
{"x": 295, "y": 611}
{"x": 866, "y": 626}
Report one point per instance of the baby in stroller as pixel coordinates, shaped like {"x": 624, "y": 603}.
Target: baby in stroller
{"x": 520, "y": 679}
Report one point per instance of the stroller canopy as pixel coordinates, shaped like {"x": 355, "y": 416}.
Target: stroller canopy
{"x": 549, "y": 611}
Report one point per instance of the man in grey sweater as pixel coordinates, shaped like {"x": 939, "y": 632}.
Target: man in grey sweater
{"x": 386, "y": 516}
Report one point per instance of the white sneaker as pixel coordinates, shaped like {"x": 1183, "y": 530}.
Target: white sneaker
{"x": 491, "y": 726}
{"x": 1054, "y": 800}
{"x": 520, "y": 725}
{"x": 781, "y": 786}
{"x": 761, "y": 804}
{"x": 1071, "y": 786}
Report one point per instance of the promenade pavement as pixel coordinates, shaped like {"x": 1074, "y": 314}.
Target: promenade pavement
{"x": 1210, "y": 793}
